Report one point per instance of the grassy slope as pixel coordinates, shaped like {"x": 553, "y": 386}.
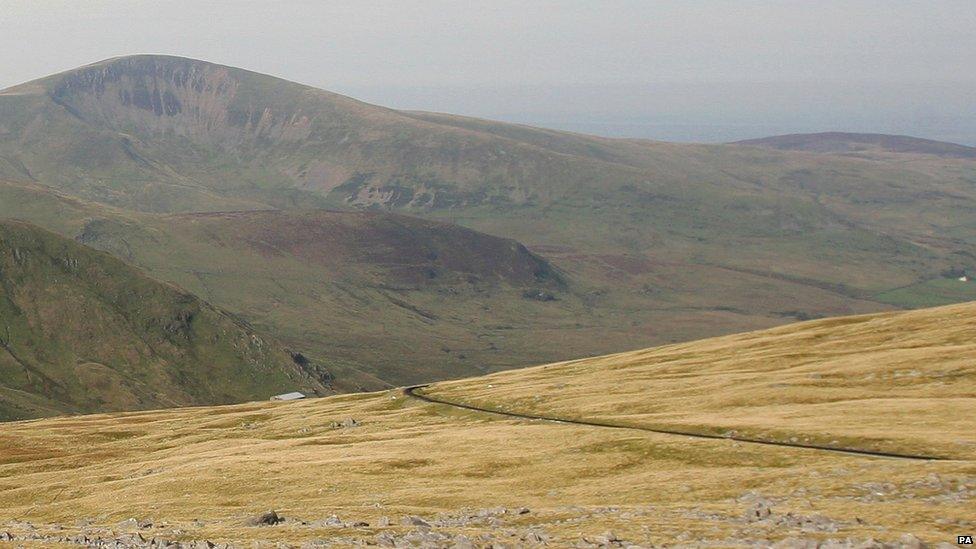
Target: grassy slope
{"x": 906, "y": 378}
{"x": 368, "y": 290}
{"x": 381, "y": 297}
{"x": 81, "y": 331}
{"x": 942, "y": 291}
{"x": 662, "y": 242}
{"x": 249, "y": 139}
{"x": 901, "y": 381}
{"x": 246, "y": 139}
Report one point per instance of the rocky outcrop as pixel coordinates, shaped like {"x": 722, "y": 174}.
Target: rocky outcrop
{"x": 156, "y": 95}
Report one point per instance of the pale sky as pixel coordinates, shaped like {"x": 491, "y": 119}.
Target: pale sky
{"x": 705, "y": 70}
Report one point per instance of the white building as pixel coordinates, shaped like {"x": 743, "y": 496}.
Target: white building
{"x": 288, "y": 396}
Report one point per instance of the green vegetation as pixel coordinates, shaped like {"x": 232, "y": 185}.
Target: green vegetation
{"x": 940, "y": 291}
{"x": 646, "y": 242}
{"x": 81, "y": 331}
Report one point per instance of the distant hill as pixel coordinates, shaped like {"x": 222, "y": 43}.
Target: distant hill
{"x": 840, "y": 142}
{"x": 653, "y": 242}
{"x": 81, "y": 331}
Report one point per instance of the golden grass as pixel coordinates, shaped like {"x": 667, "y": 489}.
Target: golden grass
{"x": 895, "y": 382}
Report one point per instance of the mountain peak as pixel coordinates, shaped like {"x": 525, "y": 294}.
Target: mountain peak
{"x": 150, "y": 94}
{"x": 45, "y": 84}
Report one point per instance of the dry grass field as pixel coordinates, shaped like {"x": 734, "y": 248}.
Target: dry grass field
{"x": 900, "y": 382}
{"x": 893, "y": 382}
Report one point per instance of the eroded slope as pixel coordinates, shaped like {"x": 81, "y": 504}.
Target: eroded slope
{"x": 82, "y": 332}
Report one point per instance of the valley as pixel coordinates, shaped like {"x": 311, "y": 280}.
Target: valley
{"x": 643, "y": 242}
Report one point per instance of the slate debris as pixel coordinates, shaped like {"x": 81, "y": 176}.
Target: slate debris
{"x": 414, "y": 521}
{"x": 132, "y": 524}
{"x": 502, "y": 528}
{"x": 348, "y": 423}
{"x": 332, "y": 522}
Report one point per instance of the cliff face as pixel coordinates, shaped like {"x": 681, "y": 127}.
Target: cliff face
{"x": 201, "y": 136}
{"x": 172, "y": 96}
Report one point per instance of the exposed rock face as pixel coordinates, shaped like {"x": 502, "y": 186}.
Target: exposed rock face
{"x": 155, "y": 95}
{"x": 163, "y": 118}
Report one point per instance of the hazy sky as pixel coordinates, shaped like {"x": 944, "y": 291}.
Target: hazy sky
{"x": 684, "y": 69}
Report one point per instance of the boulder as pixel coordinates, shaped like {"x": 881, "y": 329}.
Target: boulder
{"x": 414, "y": 521}
{"x": 265, "y": 519}
{"x": 332, "y": 522}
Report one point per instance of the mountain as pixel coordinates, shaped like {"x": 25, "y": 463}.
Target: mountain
{"x": 652, "y": 242}
{"x": 80, "y": 331}
{"x": 383, "y": 298}
{"x": 860, "y": 143}
{"x": 403, "y": 299}
{"x": 334, "y": 467}
{"x": 160, "y": 133}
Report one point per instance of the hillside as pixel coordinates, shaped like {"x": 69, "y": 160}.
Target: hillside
{"x": 82, "y": 332}
{"x": 383, "y": 298}
{"x": 407, "y": 471}
{"x": 860, "y": 143}
{"x": 654, "y": 242}
{"x": 403, "y": 299}
{"x": 905, "y": 377}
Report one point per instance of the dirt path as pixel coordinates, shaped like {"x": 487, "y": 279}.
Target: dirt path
{"x": 414, "y": 392}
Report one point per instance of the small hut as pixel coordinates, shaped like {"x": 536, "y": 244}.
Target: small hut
{"x": 289, "y": 396}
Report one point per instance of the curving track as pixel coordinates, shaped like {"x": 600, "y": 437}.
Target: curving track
{"x": 413, "y": 392}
